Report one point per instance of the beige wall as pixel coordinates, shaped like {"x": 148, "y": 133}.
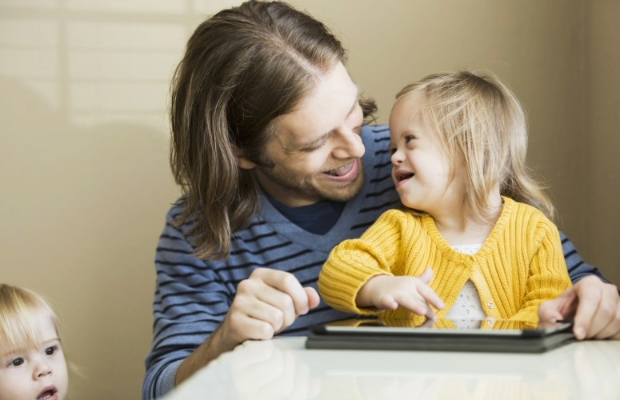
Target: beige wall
{"x": 84, "y": 177}
{"x": 602, "y": 137}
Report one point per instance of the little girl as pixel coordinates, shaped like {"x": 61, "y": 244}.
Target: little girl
{"x": 33, "y": 364}
{"x": 472, "y": 239}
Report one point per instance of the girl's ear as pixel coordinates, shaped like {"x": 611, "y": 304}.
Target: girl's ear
{"x": 243, "y": 162}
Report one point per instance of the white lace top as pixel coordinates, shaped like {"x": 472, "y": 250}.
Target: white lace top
{"x": 467, "y": 310}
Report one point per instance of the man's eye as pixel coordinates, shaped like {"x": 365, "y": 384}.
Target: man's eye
{"x": 16, "y": 362}
{"x": 315, "y": 147}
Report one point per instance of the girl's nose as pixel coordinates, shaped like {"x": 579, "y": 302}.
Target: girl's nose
{"x": 396, "y": 158}
{"x": 42, "y": 369}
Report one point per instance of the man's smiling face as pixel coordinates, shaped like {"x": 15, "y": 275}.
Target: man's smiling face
{"x": 316, "y": 149}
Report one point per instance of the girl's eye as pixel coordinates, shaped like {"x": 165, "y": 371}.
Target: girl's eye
{"x": 392, "y": 150}
{"x": 50, "y": 350}
{"x": 409, "y": 138}
{"x": 17, "y": 362}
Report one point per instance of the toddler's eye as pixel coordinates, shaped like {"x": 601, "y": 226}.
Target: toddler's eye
{"x": 17, "y": 362}
{"x": 50, "y": 350}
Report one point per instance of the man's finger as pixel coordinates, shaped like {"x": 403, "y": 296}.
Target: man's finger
{"x": 286, "y": 283}
{"x": 612, "y": 330}
{"x": 249, "y": 327}
{"x": 313, "y": 297}
{"x": 586, "y": 308}
{"x": 603, "y": 322}
{"x": 281, "y": 311}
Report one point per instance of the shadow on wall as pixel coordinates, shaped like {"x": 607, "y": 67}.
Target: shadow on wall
{"x": 81, "y": 212}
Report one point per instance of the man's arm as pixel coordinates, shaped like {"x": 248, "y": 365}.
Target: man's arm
{"x": 577, "y": 268}
{"x": 197, "y": 318}
{"x": 190, "y": 302}
{"x": 266, "y": 303}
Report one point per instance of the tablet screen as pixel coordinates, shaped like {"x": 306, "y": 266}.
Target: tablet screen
{"x": 473, "y": 327}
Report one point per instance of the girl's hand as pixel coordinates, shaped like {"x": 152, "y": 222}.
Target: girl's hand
{"x": 390, "y": 292}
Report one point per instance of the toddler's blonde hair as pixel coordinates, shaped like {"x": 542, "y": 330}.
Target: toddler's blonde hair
{"x": 482, "y": 127}
{"x": 19, "y": 310}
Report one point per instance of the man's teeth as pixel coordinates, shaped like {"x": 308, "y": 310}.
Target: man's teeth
{"x": 336, "y": 172}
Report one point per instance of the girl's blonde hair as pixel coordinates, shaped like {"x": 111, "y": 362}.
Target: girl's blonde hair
{"x": 482, "y": 127}
{"x": 19, "y": 310}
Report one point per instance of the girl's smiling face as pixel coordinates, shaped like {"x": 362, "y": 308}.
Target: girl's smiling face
{"x": 422, "y": 171}
{"x": 35, "y": 374}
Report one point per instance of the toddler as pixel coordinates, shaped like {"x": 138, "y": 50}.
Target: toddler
{"x": 33, "y": 364}
{"x": 474, "y": 238}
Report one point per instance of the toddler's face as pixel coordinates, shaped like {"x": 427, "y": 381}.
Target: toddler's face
{"x": 422, "y": 171}
{"x": 35, "y": 374}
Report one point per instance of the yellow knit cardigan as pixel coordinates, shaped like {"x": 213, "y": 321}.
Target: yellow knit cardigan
{"x": 520, "y": 264}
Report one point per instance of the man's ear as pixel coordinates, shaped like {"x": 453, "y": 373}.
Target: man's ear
{"x": 244, "y": 163}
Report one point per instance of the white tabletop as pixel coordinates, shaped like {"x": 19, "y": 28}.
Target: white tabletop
{"x": 283, "y": 369}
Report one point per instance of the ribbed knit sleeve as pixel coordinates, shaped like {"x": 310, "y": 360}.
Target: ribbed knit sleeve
{"x": 353, "y": 262}
{"x": 548, "y": 276}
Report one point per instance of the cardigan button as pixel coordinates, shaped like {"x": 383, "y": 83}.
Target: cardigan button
{"x": 491, "y": 305}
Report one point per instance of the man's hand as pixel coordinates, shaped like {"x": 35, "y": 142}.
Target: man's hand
{"x": 592, "y": 304}
{"x": 266, "y": 303}
{"x": 391, "y": 292}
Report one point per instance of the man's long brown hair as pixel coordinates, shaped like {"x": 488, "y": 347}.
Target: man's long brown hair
{"x": 242, "y": 68}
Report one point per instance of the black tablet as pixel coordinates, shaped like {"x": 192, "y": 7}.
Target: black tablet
{"x": 488, "y": 335}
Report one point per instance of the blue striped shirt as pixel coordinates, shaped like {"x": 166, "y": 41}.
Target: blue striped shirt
{"x": 193, "y": 296}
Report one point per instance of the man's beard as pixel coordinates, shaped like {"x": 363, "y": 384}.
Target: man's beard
{"x": 307, "y": 188}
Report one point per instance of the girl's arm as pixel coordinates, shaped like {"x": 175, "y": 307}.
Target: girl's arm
{"x": 548, "y": 275}
{"x": 387, "y": 292}
{"x": 353, "y": 262}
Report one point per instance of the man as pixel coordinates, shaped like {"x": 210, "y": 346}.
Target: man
{"x": 277, "y": 166}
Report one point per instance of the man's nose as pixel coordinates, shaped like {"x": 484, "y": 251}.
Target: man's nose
{"x": 350, "y": 144}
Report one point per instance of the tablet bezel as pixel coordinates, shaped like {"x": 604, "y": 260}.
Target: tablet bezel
{"x": 355, "y": 326}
